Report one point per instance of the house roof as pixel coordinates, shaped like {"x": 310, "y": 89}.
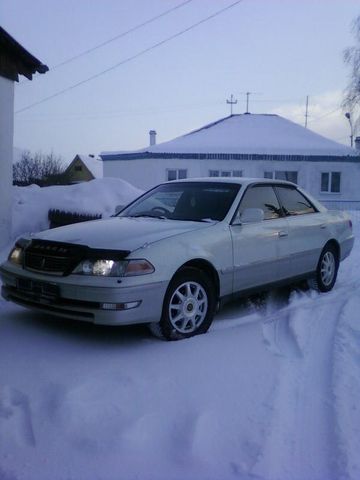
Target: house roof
{"x": 245, "y": 134}
{"x": 95, "y": 166}
{"x": 15, "y": 60}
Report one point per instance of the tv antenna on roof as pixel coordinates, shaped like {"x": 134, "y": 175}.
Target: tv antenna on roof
{"x": 231, "y": 102}
{"x": 247, "y": 98}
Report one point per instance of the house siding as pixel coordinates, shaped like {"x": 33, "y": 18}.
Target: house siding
{"x": 6, "y": 154}
{"x": 146, "y": 173}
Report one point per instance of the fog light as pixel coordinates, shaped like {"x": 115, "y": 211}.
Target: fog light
{"x": 119, "y": 306}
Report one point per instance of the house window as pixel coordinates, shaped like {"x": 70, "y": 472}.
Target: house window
{"x": 225, "y": 173}
{"x": 176, "y": 174}
{"x": 330, "y": 182}
{"x": 290, "y": 176}
{"x": 78, "y": 168}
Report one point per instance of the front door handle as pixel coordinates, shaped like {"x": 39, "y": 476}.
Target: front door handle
{"x": 282, "y": 233}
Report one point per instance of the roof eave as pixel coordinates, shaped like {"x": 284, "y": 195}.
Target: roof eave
{"x": 15, "y": 60}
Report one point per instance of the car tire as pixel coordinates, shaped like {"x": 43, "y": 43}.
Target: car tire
{"x": 326, "y": 271}
{"x": 189, "y": 306}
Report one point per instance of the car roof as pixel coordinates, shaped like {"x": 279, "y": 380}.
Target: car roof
{"x": 244, "y": 181}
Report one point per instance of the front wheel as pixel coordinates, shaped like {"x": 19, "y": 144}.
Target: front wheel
{"x": 326, "y": 271}
{"x": 189, "y": 306}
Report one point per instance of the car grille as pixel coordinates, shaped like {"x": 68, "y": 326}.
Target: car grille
{"x": 52, "y": 257}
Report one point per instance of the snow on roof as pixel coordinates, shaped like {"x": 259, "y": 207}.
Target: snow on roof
{"x": 267, "y": 134}
{"x": 95, "y": 165}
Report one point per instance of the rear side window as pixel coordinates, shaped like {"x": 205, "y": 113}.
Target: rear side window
{"x": 262, "y": 196}
{"x": 294, "y": 202}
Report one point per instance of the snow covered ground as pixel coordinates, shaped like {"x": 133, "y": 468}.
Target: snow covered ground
{"x": 266, "y": 394}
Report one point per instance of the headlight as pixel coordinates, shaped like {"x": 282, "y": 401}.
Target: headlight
{"x": 114, "y": 268}
{"x": 16, "y": 255}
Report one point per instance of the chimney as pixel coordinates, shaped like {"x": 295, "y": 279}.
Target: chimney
{"x": 152, "y": 134}
{"x": 357, "y": 143}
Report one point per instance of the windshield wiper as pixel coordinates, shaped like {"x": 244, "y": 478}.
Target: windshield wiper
{"x": 205, "y": 220}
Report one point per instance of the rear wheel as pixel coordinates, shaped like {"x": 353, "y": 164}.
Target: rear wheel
{"x": 326, "y": 271}
{"x": 189, "y": 306}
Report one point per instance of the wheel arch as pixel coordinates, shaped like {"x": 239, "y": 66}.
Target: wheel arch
{"x": 206, "y": 267}
{"x": 335, "y": 244}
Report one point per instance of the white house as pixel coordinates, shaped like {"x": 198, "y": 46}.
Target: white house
{"x": 14, "y": 61}
{"x": 254, "y": 145}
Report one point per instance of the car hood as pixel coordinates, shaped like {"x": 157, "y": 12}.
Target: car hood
{"x": 122, "y": 233}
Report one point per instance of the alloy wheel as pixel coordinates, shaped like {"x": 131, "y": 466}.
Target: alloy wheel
{"x": 188, "y": 307}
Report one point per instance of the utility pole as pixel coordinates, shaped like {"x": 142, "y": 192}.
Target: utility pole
{"x": 231, "y": 102}
{"x": 306, "y": 110}
{"x": 348, "y": 116}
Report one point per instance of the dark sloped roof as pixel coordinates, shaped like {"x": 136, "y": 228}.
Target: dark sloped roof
{"x": 15, "y": 60}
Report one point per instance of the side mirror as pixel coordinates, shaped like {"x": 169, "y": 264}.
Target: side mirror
{"x": 252, "y": 215}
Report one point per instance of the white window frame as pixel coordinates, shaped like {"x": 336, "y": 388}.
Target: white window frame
{"x": 329, "y": 191}
{"x": 273, "y": 174}
{"x": 177, "y": 172}
{"x": 220, "y": 173}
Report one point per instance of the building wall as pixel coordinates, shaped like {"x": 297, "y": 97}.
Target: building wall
{"x": 146, "y": 173}
{"x": 6, "y": 154}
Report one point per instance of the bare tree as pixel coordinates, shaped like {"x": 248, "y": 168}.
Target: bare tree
{"x": 351, "y": 102}
{"x": 39, "y": 169}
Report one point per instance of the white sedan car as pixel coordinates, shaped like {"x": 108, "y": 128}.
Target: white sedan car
{"x": 177, "y": 252}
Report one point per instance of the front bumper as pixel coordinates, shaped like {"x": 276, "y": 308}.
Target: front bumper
{"x": 61, "y": 296}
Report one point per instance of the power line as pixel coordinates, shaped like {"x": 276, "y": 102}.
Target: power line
{"x": 122, "y": 112}
{"x": 121, "y": 35}
{"x": 325, "y": 115}
{"x": 113, "y": 39}
{"x": 133, "y": 57}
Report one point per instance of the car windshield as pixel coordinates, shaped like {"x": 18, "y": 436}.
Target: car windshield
{"x": 195, "y": 201}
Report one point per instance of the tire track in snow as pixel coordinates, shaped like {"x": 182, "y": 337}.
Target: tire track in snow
{"x": 301, "y": 443}
{"x": 346, "y": 388}
{"x": 15, "y": 417}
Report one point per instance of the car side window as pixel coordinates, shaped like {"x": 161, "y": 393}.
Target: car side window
{"x": 261, "y": 196}
{"x": 294, "y": 202}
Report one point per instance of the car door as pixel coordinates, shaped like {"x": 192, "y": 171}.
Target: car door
{"x": 307, "y": 230}
{"x": 260, "y": 249}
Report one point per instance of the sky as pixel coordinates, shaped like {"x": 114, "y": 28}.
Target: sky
{"x": 281, "y": 50}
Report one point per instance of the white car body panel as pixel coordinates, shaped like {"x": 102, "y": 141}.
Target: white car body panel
{"x": 119, "y": 232}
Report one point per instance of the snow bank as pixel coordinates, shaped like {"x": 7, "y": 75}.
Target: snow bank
{"x": 31, "y": 204}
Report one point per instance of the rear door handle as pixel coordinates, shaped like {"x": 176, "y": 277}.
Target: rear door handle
{"x": 324, "y": 225}
{"x": 282, "y": 233}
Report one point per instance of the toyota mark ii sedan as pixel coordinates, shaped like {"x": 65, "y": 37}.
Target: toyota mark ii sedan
{"x": 175, "y": 254}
